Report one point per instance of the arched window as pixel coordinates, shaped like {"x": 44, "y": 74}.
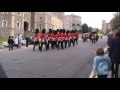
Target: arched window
{"x": 5, "y": 12}
{"x": 18, "y": 24}
{"x": 19, "y": 13}
{"x": 4, "y": 23}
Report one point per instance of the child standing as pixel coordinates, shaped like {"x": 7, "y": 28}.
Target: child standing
{"x": 102, "y": 64}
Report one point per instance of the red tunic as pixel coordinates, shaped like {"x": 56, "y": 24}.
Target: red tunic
{"x": 72, "y": 35}
{"x": 50, "y": 36}
{"x": 36, "y": 36}
{"x": 43, "y": 37}
{"x": 56, "y": 36}
{"x": 59, "y": 36}
{"x": 64, "y": 36}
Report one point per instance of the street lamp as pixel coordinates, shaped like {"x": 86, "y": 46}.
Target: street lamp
{"x": 118, "y": 14}
{"x": 40, "y": 23}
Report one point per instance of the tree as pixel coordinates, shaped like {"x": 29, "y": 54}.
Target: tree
{"x": 84, "y": 28}
{"x": 97, "y": 30}
{"x": 115, "y": 23}
{"x": 90, "y": 29}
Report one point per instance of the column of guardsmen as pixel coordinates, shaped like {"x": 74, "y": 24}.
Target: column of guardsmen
{"x": 55, "y": 39}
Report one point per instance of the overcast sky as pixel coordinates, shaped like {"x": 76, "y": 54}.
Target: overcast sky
{"x": 93, "y": 19}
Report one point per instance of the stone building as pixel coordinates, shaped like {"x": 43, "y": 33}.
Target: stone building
{"x": 25, "y": 23}
{"x": 72, "y": 22}
{"x": 14, "y": 23}
{"x": 104, "y": 26}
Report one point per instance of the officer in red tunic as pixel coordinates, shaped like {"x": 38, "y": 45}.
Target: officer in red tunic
{"x": 56, "y": 38}
{"x": 71, "y": 38}
{"x": 53, "y": 39}
{"x": 57, "y": 31}
{"x": 76, "y": 37}
{"x": 49, "y": 38}
{"x": 37, "y": 39}
{"x": 60, "y": 40}
{"x": 64, "y": 38}
{"x": 43, "y": 37}
{"x": 67, "y": 39}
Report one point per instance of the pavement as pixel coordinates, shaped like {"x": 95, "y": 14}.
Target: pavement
{"x": 71, "y": 62}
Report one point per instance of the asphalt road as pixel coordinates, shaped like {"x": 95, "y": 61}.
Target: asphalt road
{"x": 72, "y": 62}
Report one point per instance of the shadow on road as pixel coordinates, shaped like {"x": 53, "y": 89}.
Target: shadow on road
{"x": 2, "y": 73}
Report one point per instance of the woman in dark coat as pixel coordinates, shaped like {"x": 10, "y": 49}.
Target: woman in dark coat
{"x": 115, "y": 54}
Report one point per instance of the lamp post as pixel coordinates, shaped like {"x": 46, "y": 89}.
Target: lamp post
{"x": 119, "y": 20}
{"x": 40, "y": 23}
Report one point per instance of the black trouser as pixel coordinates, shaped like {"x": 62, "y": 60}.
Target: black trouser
{"x": 115, "y": 68}
{"x": 54, "y": 44}
{"x": 35, "y": 44}
{"x": 102, "y": 76}
{"x": 49, "y": 42}
{"x": 66, "y": 43}
{"x": 84, "y": 39}
{"x": 60, "y": 42}
{"x": 93, "y": 41}
{"x": 10, "y": 46}
{"x": 26, "y": 44}
{"x": 76, "y": 41}
{"x": 71, "y": 41}
{"x": 43, "y": 43}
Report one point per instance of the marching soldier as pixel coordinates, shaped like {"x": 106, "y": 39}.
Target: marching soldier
{"x": 71, "y": 38}
{"x": 53, "y": 39}
{"x": 77, "y": 36}
{"x": 64, "y": 38}
{"x": 50, "y": 35}
{"x": 43, "y": 40}
{"x": 37, "y": 39}
{"x": 60, "y": 36}
{"x": 56, "y": 38}
{"x": 67, "y": 39}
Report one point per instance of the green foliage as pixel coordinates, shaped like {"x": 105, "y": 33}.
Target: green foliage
{"x": 90, "y": 29}
{"x": 115, "y": 22}
{"x": 3, "y": 39}
{"x": 84, "y": 28}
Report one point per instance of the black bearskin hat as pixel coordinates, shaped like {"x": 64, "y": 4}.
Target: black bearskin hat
{"x": 75, "y": 30}
{"x": 60, "y": 31}
{"x": 50, "y": 30}
{"x": 36, "y": 31}
{"x": 63, "y": 30}
{"x": 71, "y": 31}
{"x": 43, "y": 31}
{"x": 53, "y": 31}
{"x": 57, "y": 30}
{"x": 67, "y": 31}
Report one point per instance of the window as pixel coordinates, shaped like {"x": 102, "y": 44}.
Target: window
{"x": 5, "y": 12}
{"x": 4, "y": 23}
{"x": 19, "y": 13}
{"x": 18, "y": 24}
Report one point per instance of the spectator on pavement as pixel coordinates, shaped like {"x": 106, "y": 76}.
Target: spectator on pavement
{"x": 10, "y": 42}
{"x": 20, "y": 40}
{"x": 114, "y": 54}
{"x": 27, "y": 41}
{"x": 16, "y": 41}
{"x": 102, "y": 64}
{"x": 109, "y": 41}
